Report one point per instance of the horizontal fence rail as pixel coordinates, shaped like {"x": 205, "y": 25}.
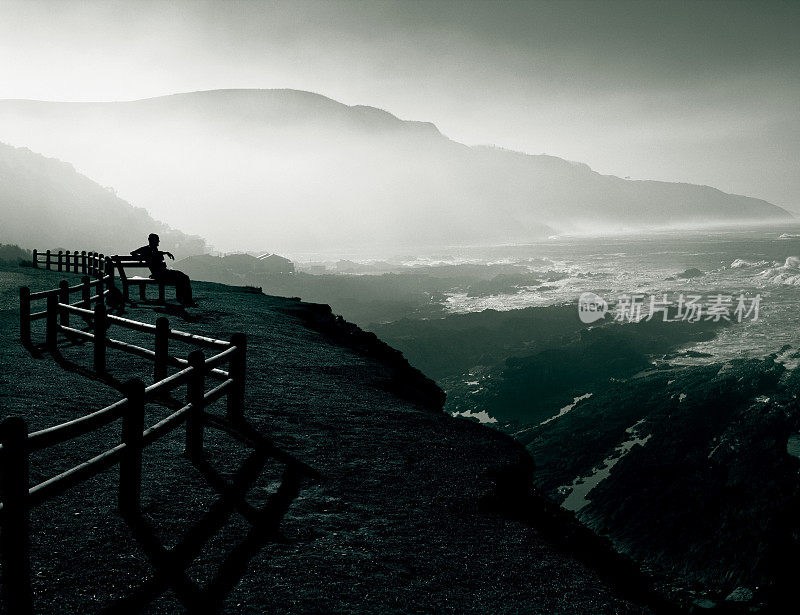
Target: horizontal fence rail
{"x": 86, "y": 263}
{"x": 17, "y": 496}
{"x": 96, "y": 283}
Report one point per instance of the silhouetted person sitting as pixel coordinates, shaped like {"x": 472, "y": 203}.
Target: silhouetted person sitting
{"x": 159, "y": 272}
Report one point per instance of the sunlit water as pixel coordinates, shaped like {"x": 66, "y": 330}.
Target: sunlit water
{"x": 740, "y": 262}
{"x": 760, "y": 261}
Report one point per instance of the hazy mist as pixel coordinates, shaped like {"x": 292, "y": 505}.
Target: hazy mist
{"x": 703, "y": 92}
{"x": 293, "y": 171}
{"x": 570, "y": 214}
{"x": 46, "y": 204}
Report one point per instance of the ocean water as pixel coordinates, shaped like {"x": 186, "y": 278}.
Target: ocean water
{"x": 762, "y": 262}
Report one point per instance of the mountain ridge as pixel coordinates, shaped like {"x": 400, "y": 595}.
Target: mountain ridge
{"x": 308, "y": 171}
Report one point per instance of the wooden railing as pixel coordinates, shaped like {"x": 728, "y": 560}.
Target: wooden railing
{"x": 17, "y": 497}
{"x": 91, "y": 291}
{"x": 86, "y": 263}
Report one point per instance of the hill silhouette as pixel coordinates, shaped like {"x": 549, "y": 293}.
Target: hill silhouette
{"x": 309, "y": 173}
{"x": 48, "y": 205}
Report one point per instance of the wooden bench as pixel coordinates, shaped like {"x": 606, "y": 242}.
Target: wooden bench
{"x": 123, "y": 263}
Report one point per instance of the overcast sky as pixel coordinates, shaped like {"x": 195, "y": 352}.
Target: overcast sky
{"x": 704, "y": 92}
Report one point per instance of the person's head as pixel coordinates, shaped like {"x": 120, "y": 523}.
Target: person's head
{"x": 153, "y": 240}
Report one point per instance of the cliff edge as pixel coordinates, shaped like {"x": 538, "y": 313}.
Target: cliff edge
{"x": 362, "y": 496}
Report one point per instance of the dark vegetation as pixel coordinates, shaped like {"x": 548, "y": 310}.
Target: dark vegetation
{"x": 454, "y": 345}
{"x": 531, "y": 362}
{"x": 398, "y": 376}
{"x": 711, "y": 502}
{"x": 14, "y": 255}
{"x": 532, "y": 388}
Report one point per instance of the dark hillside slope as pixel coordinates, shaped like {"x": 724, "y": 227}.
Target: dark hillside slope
{"x": 388, "y": 519}
{"x": 46, "y": 204}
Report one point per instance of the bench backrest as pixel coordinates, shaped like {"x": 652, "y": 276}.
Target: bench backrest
{"x": 128, "y": 262}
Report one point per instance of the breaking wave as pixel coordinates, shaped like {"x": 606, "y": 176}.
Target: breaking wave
{"x": 788, "y": 273}
{"x": 740, "y": 263}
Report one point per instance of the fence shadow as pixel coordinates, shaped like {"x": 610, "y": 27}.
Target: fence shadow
{"x": 226, "y": 367}
{"x": 42, "y": 350}
{"x": 171, "y": 565}
{"x": 82, "y": 370}
{"x": 175, "y": 310}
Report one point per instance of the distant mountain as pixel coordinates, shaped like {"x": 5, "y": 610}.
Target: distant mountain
{"x": 298, "y": 171}
{"x": 46, "y": 204}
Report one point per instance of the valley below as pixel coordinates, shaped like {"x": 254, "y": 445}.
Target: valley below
{"x": 671, "y": 439}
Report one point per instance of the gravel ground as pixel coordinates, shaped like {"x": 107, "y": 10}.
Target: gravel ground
{"x": 369, "y": 499}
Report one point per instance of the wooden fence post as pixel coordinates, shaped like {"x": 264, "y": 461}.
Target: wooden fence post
{"x": 196, "y": 392}
{"x": 35, "y": 259}
{"x": 60, "y": 261}
{"x": 48, "y": 260}
{"x": 130, "y": 464}
{"x": 86, "y": 293}
{"x": 63, "y": 297}
{"x": 235, "y": 411}
{"x": 100, "y": 327}
{"x": 109, "y": 271}
{"x": 51, "y": 319}
{"x": 162, "y": 349}
{"x": 83, "y": 262}
{"x": 66, "y": 258}
{"x": 25, "y": 315}
{"x": 14, "y": 547}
